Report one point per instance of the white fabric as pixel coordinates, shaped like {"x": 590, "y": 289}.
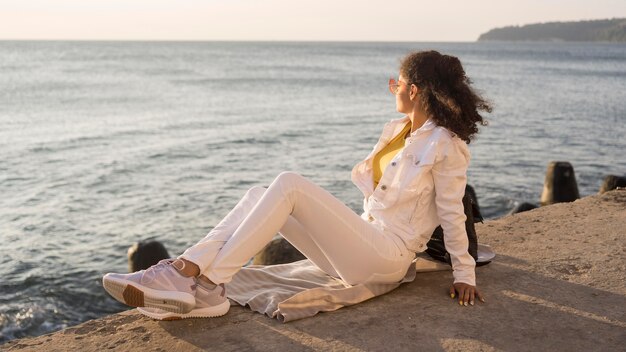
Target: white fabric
{"x": 422, "y": 187}
{"x": 320, "y": 226}
{"x": 298, "y": 290}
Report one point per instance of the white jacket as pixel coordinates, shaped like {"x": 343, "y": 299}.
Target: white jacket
{"x": 422, "y": 187}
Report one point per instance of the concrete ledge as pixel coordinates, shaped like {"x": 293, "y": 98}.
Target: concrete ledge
{"x": 556, "y": 284}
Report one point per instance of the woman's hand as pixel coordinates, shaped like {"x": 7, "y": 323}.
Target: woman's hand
{"x": 466, "y": 293}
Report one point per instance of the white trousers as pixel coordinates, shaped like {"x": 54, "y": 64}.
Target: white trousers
{"x": 320, "y": 226}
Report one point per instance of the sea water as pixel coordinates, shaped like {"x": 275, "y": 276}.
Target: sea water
{"x": 103, "y": 144}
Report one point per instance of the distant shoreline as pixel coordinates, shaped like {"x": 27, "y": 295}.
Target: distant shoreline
{"x": 608, "y": 30}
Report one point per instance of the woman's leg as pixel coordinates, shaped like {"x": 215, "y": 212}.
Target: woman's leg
{"x": 169, "y": 285}
{"x": 300, "y": 238}
{"x": 357, "y": 250}
{"x": 320, "y": 226}
{"x": 204, "y": 252}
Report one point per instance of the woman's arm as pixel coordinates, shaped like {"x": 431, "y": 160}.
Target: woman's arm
{"x": 450, "y": 178}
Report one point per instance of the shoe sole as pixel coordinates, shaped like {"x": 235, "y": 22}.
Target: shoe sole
{"x": 209, "y": 312}
{"x": 135, "y": 295}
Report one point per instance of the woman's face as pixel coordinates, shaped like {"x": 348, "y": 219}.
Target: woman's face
{"x": 404, "y": 104}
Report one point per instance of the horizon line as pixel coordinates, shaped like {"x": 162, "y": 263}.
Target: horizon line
{"x": 237, "y": 40}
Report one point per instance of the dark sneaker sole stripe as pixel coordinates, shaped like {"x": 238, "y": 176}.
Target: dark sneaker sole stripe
{"x": 133, "y": 296}
{"x": 130, "y": 295}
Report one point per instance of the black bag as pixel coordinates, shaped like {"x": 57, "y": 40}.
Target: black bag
{"x": 436, "y": 247}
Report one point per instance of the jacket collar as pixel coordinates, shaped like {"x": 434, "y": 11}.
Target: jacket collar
{"x": 393, "y": 127}
{"x": 427, "y": 126}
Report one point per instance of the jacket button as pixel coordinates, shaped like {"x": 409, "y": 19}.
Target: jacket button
{"x": 393, "y": 163}
{"x": 383, "y": 187}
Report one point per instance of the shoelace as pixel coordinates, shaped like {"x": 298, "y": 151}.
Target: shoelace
{"x": 151, "y": 273}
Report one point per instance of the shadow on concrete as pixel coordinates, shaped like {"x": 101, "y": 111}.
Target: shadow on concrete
{"x": 524, "y": 311}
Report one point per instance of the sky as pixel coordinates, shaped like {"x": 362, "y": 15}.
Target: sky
{"x": 285, "y": 20}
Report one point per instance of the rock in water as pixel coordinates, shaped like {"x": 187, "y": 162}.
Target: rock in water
{"x": 278, "y": 251}
{"x": 145, "y": 254}
{"x": 522, "y": 207}
{"x": 612, "y": 182}
{"x": 560, "y": 184}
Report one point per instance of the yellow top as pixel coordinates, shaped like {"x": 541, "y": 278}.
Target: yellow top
{"x": 383, "y": 157}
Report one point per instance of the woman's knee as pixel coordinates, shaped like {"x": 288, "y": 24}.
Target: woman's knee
{"x": 290, "y": 176}
{"x": 289, "y": 180}
{"x": 256, "y": 191}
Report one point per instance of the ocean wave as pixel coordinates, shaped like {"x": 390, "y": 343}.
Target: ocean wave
{"x": 172, "y": 148}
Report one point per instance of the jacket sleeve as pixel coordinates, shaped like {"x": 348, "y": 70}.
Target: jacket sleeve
{"x": 450, "y": 178}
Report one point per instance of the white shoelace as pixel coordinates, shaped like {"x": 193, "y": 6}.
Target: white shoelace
{"x": 151, "y": 273}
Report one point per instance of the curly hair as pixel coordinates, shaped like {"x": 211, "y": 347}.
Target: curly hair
{"x": 446, "y": 95}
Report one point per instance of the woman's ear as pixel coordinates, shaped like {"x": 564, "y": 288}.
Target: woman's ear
{"x": 413, "y": 92}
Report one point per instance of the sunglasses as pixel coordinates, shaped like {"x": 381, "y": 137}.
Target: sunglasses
{"x": 394, "y": 85}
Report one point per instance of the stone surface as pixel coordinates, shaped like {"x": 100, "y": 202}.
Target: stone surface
{"x": 557, "y": 283}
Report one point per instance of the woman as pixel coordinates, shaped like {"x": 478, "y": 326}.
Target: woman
{"x": 412, "y": 181}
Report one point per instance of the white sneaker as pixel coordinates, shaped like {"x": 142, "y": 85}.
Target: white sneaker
{"x": 211, "y": 302}
{"x": 160, "y": 286}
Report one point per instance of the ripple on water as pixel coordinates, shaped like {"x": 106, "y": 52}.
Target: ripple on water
{"x": 82, "y": 179}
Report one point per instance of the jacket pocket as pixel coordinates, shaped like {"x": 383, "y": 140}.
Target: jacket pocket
{"x": 418, "y": 168}
{"x": 414, "y": 210}
{"x": 422, "y": 160}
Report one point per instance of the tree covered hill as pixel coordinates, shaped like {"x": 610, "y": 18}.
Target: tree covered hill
{"x": 609, "y": 30}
